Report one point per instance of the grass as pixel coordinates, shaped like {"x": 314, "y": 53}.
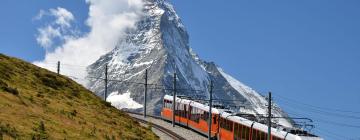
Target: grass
{"x": 38, "y": 104}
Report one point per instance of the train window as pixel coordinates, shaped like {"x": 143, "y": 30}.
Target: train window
{"x": 244, "y": 134}
{"x": 224, "y": 123}
{"x": 195, "y": 114}
{"x": 227, "y": 124}
{"x": 231, "y": 125}
{"x": 237, "y": 131}
{"x": 178, "y": 109}
{"x": 185, "y": 111}
{"x": 240, "y": 131}
{"x": 214, "y": 119}
{"x": 261, "y": 135}
{"x": 254, "y": 134}
{"x": 205, "y": 116}
{"x": 167, "y": 104}
{"x": 221, "y": 122}
{"x": 181, "y": 110}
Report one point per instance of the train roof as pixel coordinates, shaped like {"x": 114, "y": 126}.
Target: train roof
{"x": 258, "y": 126}
{"x": 243, "y": 121}
{"x": 192, "y": 103}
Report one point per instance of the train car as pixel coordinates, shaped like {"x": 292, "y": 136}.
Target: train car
{"x": 225, "y": 126}
{"x": 190, "y": 114}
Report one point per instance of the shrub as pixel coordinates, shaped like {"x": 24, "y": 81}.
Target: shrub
{"x": 73, "y": 113}
{"x": 107, "y": 104}
{"x": 40, "y": 132}
{"x": 31, "y": 98}
{"x": 11, "y": 90}
{"x": 2, "y": 84}
{"x": 8, "y": 130}
{"x": 52, "y": 81}
{"x": 6, "y": 88}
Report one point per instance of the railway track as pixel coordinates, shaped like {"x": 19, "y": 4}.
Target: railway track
{"x": 168, "y": 132}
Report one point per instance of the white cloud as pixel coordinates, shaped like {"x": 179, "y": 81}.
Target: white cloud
{"x": 108, "y": 20}
{"x": 46, "y": 36}
{"x": 41, "y": 14}
{"x": 121, "y": 101}
{"x": 57, "y": 29}
{"x": 63, "y": 16}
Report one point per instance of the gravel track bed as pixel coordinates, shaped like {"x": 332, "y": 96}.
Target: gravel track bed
{"x": 161, "y": 135}
{"x": 186, "y": 133}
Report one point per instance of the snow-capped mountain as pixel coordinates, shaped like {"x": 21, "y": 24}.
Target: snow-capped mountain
{"x": 160, "y": 43}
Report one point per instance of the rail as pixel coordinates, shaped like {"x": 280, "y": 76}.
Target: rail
{"x": 168, "y": 132}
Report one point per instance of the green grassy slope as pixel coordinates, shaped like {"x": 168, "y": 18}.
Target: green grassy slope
{"x": 39, "y": 104}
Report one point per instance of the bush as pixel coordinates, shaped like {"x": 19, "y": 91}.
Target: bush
{"x": 11, "y": 90}
{"x": 40, "y": 132}
{"x": 31, "y": 98}
{"x": 107, "y": 104}
{"x": 110, "y": 138}
{"x": 5, "y": 87}
{"x": 8, "y": 130}
{"x": 2, "y": 84}
{"x": 73, "y": 113}
{"x": 52, "y": 81}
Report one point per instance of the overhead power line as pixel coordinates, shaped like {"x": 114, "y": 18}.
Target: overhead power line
{"x": 321, "y": 108}
{"x": 294, "y": 113}
{"x": 323, "y": 112}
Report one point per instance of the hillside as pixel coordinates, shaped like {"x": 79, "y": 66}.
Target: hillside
{"x": 38, "y": 104}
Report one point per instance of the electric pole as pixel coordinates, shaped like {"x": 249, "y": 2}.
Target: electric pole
{"x": 145, "y": 91}
{"x": 210, "y": 108}
{"x": 269, "y": 118}
{"x": 174, "y": 100}
{"x": 58, "y": 67}
{"x": 106, "y": 81}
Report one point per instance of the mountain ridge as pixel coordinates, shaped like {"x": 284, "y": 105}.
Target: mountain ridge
{"x": 160, "y": 44}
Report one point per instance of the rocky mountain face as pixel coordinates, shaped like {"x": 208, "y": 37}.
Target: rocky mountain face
{"x": 160, "y": 44}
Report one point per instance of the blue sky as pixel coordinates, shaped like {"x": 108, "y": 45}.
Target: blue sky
{"x": 306, "y": 52}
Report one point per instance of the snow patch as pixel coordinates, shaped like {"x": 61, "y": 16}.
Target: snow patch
{"x": 121, "y": 101}
{"x": 246, "y": 91}
{"x": 253, "y": 97}
{"x": 143, "y": 63}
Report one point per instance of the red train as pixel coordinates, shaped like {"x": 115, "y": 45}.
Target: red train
{"x": 225, "y": 126}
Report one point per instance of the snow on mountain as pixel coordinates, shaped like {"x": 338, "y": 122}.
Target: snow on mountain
{"x": 254, "y": 98}
{"x": 160, "y": 43}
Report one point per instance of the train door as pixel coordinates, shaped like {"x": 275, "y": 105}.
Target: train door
{"x": 215, "y": 122}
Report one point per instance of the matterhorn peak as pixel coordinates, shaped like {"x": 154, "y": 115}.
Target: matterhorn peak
{"x": 160, "y": 45}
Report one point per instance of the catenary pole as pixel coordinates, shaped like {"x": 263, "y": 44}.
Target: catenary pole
{"x": 174, "y": 98}
{"x": 269, "y": 118}
{"x": 106, "y": 81}
{"x": 145, "y": 91}
{"x": 210, "y": 108}
{"x": 58, "y": 67}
